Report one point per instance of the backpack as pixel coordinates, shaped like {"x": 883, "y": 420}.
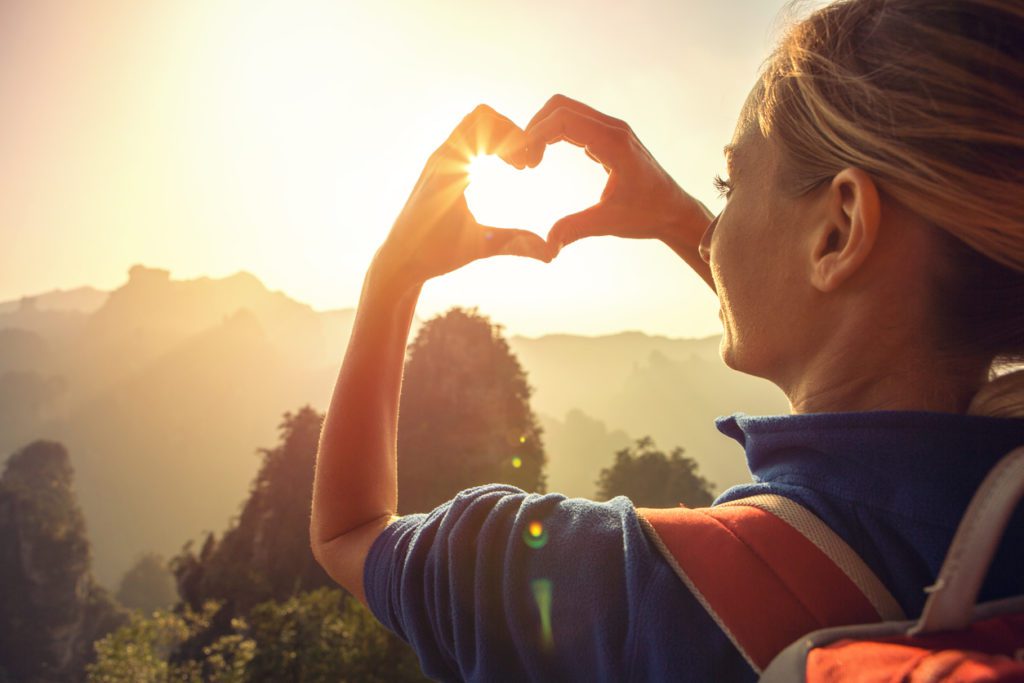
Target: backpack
{"x": 800, "y": 604}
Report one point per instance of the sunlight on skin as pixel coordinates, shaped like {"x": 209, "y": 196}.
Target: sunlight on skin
{"x": 533, "y": 199}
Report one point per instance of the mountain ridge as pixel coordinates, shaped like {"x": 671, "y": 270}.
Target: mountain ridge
{"x": 165, "y": 392}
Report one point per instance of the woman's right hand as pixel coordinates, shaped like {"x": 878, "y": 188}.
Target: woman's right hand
{"x": 640, "y": 201}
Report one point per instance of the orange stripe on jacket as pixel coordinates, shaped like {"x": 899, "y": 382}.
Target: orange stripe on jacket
{"x": 762, "y": 581}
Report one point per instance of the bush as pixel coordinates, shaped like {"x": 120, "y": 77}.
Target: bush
{"x": 321, "y": 635}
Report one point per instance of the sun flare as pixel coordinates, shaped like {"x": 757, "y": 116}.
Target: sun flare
{"x": 533, "y": 199}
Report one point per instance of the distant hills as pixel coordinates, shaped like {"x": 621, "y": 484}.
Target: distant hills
{"x": 81, "y": 299}
{"x": 636, "y": 384}
{"x": 163, "y": 389}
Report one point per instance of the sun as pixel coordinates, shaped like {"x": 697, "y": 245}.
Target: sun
{"x": 502, "y": 196}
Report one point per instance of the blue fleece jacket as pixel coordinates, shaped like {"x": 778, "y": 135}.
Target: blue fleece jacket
{"x": 485, "y": 594}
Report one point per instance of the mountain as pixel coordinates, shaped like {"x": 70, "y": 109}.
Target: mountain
{"x": 677, "y": 401}
{"x": 165, "y": 393}
{"x": 578, "y": 447}
{"x": 571, "y": 371}
{"x": 22, "y": 350}
{"x": 636, "y": 384}
{"x": 53, "y": 327}
{"x": 81, "y": 300}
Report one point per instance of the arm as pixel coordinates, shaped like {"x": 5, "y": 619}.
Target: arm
{"x": 355, "y": 486}
{"x": 640, "y": 201}
{"x": 355, "y": 490}
{"x": 687, "y": 249}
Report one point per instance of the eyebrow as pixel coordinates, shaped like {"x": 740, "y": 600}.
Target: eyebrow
{"x": 730, "y": 154}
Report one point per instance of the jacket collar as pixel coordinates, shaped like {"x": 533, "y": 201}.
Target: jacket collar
{"x": 925, "y": 465}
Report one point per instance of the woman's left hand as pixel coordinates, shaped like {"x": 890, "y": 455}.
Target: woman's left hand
{"x": 435, "y": 233}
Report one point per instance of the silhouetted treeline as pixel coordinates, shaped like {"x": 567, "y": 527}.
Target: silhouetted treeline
{"x": 252, "y": 603}
{"x": 166, "y": 385}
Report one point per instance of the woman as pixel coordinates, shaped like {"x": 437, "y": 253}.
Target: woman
{"x": 869, "y": 261}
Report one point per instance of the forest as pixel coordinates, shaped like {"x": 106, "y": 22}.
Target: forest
{"x": 250, "y": 603}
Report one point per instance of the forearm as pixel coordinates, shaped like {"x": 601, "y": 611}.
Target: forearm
{"x": 356, "y": 474}
{"x": 685, "y": 238}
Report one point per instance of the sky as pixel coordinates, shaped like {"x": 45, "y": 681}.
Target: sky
{"x": 282, "y": 137}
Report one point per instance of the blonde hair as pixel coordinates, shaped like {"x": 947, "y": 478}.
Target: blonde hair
{"x": 928, "y": 97}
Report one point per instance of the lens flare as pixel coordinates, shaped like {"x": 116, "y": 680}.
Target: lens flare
{"x": 522, "y": 439}
{"x": 535, "y": 535}
{"x": 517, "y": 462}
{"x": 542, "y": 596}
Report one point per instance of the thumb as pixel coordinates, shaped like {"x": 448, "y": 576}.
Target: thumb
{"x": 516, "y": 243}
{"x": 591, "y": 222}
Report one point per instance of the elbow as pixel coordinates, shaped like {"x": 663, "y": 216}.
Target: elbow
{"x": 314, "y": 545}
{"x": 316, "y": 541}
{"x": 334, "y": 558}
{"x": 343, "y": 557}
{"x": 325, "y": 550}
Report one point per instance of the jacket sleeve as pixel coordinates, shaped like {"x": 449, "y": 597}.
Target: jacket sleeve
{"x": 498, "y": 584}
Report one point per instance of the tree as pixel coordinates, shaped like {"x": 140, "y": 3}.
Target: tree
{"x": 148, "y": 585}
{"x": 52, "y": 609}
{"x": 649, "y": 478}
{"x": 139, "y": 650}
{"x": 320, "y": 635}
{"x": 265, "y": 554}
{"x": 326, "y": 635}
{"x": 465, "y": 416}
{"x": 256, "y": 604}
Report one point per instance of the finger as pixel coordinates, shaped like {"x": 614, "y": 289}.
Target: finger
{"x": 594, "y": 158}
{"x": 534, "y": 156}
{"x": 559, "y": 101}
{"x": 485, "y": 131}
{"x": 606, "y": 144}
{"x": 510, "y": 241}
{"x": 593, "y": 221}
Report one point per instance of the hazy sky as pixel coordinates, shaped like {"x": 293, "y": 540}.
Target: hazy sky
{"x": 283, "y": 136}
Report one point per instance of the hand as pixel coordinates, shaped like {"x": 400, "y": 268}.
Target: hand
{"x": 435, "y": 233}
{"x": 640, "y": 200}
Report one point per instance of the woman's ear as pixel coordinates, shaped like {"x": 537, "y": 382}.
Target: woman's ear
{"x": 846, "y": 236}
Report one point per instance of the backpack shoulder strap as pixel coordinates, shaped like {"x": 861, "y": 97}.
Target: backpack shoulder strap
{"x": 768, "y": 571}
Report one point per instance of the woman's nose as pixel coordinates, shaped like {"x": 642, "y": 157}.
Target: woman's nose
{"x": 705, "y": 242}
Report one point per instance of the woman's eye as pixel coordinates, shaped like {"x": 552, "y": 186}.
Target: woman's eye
{"x": 722, "y": 185}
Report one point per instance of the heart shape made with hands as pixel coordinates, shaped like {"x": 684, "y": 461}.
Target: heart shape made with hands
{"x": 502, "y": 196}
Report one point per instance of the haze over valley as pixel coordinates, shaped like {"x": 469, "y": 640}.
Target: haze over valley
{"x": 162, "y": 390}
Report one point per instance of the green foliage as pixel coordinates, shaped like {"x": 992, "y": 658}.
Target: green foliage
{"x": 326, "y": 635}
{"x": 265, "y": 554}
{"x": 40, "y": 477}
{"x": 649, "y": 478}
{"x": 465, "y": 416}
{"x": 278, "y": 616}
{"x": 321, "y": 635}
{"x": 148, "y": 585}
{"x": 139, "y": 651}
